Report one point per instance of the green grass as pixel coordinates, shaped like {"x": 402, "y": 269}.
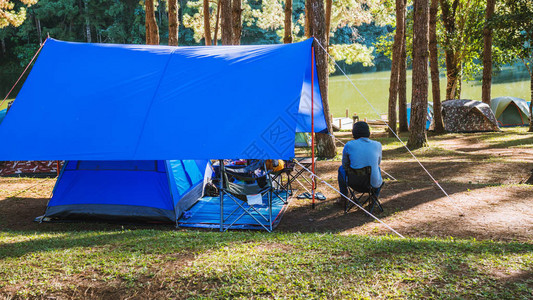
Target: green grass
{"x": 375, "y": 87}
{"x": 251, "y": 264}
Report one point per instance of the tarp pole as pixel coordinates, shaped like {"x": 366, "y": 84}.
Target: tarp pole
{"x": 313, "y": 122}
{"x": 57, "y": 167}
{"x": 221, "y": 194}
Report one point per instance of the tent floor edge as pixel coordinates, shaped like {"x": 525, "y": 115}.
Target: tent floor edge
{"x": 109, "y": 212}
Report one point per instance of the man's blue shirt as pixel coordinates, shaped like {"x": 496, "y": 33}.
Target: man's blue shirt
{"x": 361, "y": 153}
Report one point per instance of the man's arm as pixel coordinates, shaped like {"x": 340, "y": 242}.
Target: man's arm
{"x": 380, "y": 154}
{"x": 345, "y": 159}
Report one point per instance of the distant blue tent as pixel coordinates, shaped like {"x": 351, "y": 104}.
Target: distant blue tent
{"x": 3, "y": 113}
{"x": 429, "y": 115}
{"x": 144, "y": 190}
{"x": 163, "y": 103}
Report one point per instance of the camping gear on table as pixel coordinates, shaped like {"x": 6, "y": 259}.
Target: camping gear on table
{"x": 468, "y": 116}
{"x": 274, "y": 165}
{"x": 510, "y": 111}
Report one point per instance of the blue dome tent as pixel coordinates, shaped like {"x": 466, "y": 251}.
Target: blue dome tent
{"x": 158, "y": 107}
{"x": 143, "y": 190}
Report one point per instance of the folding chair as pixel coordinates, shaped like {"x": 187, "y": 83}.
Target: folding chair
{"x": 281, "y": 185}
{"x": 294, "y": 173}
{"x": 238, "y": 192}
{"x": 360, "y": 190}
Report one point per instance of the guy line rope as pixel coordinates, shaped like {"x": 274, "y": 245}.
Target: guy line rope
{"x": 23, "y": 72}
{"x": 386, "y": 123}
{"x": 347, "y": 198}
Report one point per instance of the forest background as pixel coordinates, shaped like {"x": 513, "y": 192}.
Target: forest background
{"x": 362, "y": 34}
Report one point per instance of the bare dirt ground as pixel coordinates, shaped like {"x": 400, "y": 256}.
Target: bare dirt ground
{"x": 483, "y": 178}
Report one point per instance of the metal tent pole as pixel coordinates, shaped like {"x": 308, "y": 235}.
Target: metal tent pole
{"x": 221, "y": 194}
{"x": 313, "y": 123}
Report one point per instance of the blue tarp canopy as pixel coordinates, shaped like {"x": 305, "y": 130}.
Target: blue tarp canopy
{"x": 162, "y": 103}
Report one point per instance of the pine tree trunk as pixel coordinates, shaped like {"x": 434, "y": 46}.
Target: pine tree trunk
{"x": 180, "y": 11}
{"x": 215, "y": 39}
{"x": 38, "y": 26}
{"x": 325, "y": 143}
{"x": 160, "y": 18}
{"x": 448, "y": 19}
{"x": 287, "y": 36}
{"x": 328, "y": 20}
{"x": 307, "y": 24}
{"x": 207, "y": 24}
{"x": 487, "y": 54}
{"x": 173, "y": 22}
{"x": 3, "y": 45}
{"x": 402, "y": 82}
{"x": 237, "y": 24}
{"x": 459, "y": 81}
{"x": 87, "y": 21}
{"x": 394, "y": 77}
{"x": 226, "y": 25}
{"x": 419, "y": 100}
{"x": 434, "y": 66}
{"x": 152, "y": 31}
{"x": 451, "y": 75}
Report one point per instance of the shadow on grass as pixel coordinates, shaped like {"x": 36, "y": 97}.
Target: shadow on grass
{"x": 153, "y": 241}
{"x": 329, "y": 216}
{"x": 232, "y": 265}
{"x": 528, "y": 140}
{"x": 433, "y": 152}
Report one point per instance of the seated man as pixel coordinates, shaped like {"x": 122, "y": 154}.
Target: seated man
{"x": 359, "y": 153}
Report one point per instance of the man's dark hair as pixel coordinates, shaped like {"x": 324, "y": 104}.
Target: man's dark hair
{"x": 360, "y": 129}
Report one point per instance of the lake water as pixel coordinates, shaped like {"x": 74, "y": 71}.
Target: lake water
{"x": 375, "y": 88}
{"x": 512, "y": 81}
